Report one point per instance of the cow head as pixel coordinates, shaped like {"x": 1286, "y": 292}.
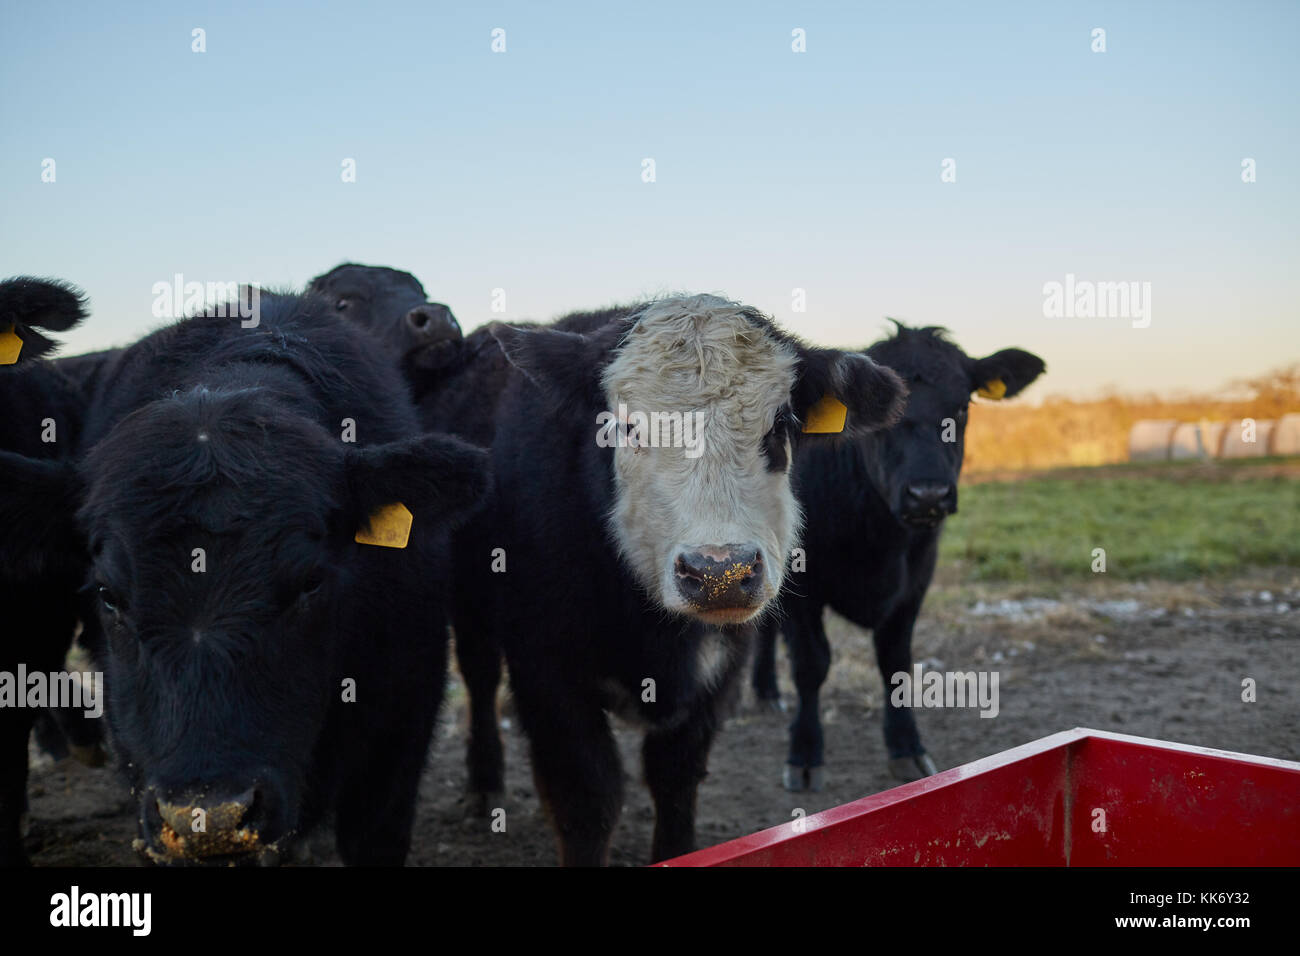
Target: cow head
{"x": 391, "y": 306}
{"x": 700, "y": 401}
{"x": 221, "y": 525}
{"x": 914, "y": 466}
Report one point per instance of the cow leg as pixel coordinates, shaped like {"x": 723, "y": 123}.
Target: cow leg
{"x": 85, "y": 735}
{"x": 387, "y": 746}
{"x": 576, "y": 766}
{"x": 764, "y": 676}
{"x": 675, "y": 761}
{"x": 49, "y": 735}
{"x": 41, "y": 628}
{"x": 376, "y": 800}
{"x": 479, "y": 658}
{"x": 67, "y": 731}
{"x": 15, "y": 725}
{"x": 893, "y": 640}
{"x": 810, "y": 660}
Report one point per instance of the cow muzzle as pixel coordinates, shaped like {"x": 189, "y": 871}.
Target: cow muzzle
{"x": 210, "y": 826}
{"x": 925, "y": 504}
{"x": 435, "y": 335}
{"x": 722, "y": 584}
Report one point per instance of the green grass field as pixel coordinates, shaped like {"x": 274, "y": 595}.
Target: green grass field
{"x": 1170, "y": 522}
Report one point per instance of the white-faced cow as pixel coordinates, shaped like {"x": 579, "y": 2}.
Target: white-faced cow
{"x": 875, "y": 508}
{"x": 639, "y": 522}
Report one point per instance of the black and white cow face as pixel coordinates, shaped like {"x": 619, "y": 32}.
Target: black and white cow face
{"x": 391, "y": 306}
{"x": 699, "y": 400}
{"x": 914, "y": 466}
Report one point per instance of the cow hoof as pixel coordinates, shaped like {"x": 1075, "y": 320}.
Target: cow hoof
{"x": 912, "y": 768}
{"x": 92, "y": 755}
{"x": 799, "y": 779}
{"x": 480, "y": 803}
{"x": 771, "y": 705}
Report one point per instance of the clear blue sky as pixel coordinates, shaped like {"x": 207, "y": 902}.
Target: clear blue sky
{"x": 775, "y": 170}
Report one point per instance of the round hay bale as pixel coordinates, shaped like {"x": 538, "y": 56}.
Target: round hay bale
{"x": 1149, "y": 439}
{"x": 1196, "y": 440}
{"x": 1212, "y": 437}
{"x": 1235, "y": 445}
{"x": 1186, "y": 442}
{"x": 1286, "y": 435}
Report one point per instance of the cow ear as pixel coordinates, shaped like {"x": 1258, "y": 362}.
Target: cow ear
{"x": 562, "y": 365}
{"x": 1004, "y": 374}
{"x": 28, "y": 304}
{"x": 845, "y": 392}
{"x": 39, "y": 498}
{"x": 436, "y": 477}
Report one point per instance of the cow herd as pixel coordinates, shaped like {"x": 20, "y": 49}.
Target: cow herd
{"x": 267, "y": 531}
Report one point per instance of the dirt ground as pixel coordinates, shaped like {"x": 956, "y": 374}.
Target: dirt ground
{"x": 1158, "y": 660}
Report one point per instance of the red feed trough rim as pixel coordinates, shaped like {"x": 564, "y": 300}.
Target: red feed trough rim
{"x": 1060, "y": 763}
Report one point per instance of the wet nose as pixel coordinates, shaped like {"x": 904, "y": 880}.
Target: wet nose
{"x": 720, "y": 576}
{"x": 929, "y": 497}
{"x": 199, "y": 824}
{"x": 433, "y": 322}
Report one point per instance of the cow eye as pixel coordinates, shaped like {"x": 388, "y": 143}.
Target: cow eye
{"x": 774, "y": 443}
{"x": 108, "y": 599}
{"x": 631, "y": 437}
{"x": 313, "y": 583}
{"x": 342, "y": 303}
{"x": 780, "y": 428}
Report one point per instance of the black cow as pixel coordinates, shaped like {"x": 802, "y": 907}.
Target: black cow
{"x": 875, "y": 510}
{"x": 41, "y": 562}
{"x": 392, "y": 307}
{"x": 265, "y": 670}
{"x": 620, "y": 574}
{"x": 458, "y": 394}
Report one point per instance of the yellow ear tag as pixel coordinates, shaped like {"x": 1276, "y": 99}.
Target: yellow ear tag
{"x": 390, "y": 527}
{"x": 994, "y": 389}
{"x": 828, "y": 415}
{"x": 10, "y": 346}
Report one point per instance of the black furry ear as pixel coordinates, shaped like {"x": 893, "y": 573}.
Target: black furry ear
{"x": 1004, "y": 374}
{"x": 437, "y": 477}
{"x": 873, "y": 395}
{"x": 564, "y": 366}
{"x": 27, "y": 304}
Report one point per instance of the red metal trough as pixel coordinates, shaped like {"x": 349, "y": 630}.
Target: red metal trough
{"x": 1077, "y": 798}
